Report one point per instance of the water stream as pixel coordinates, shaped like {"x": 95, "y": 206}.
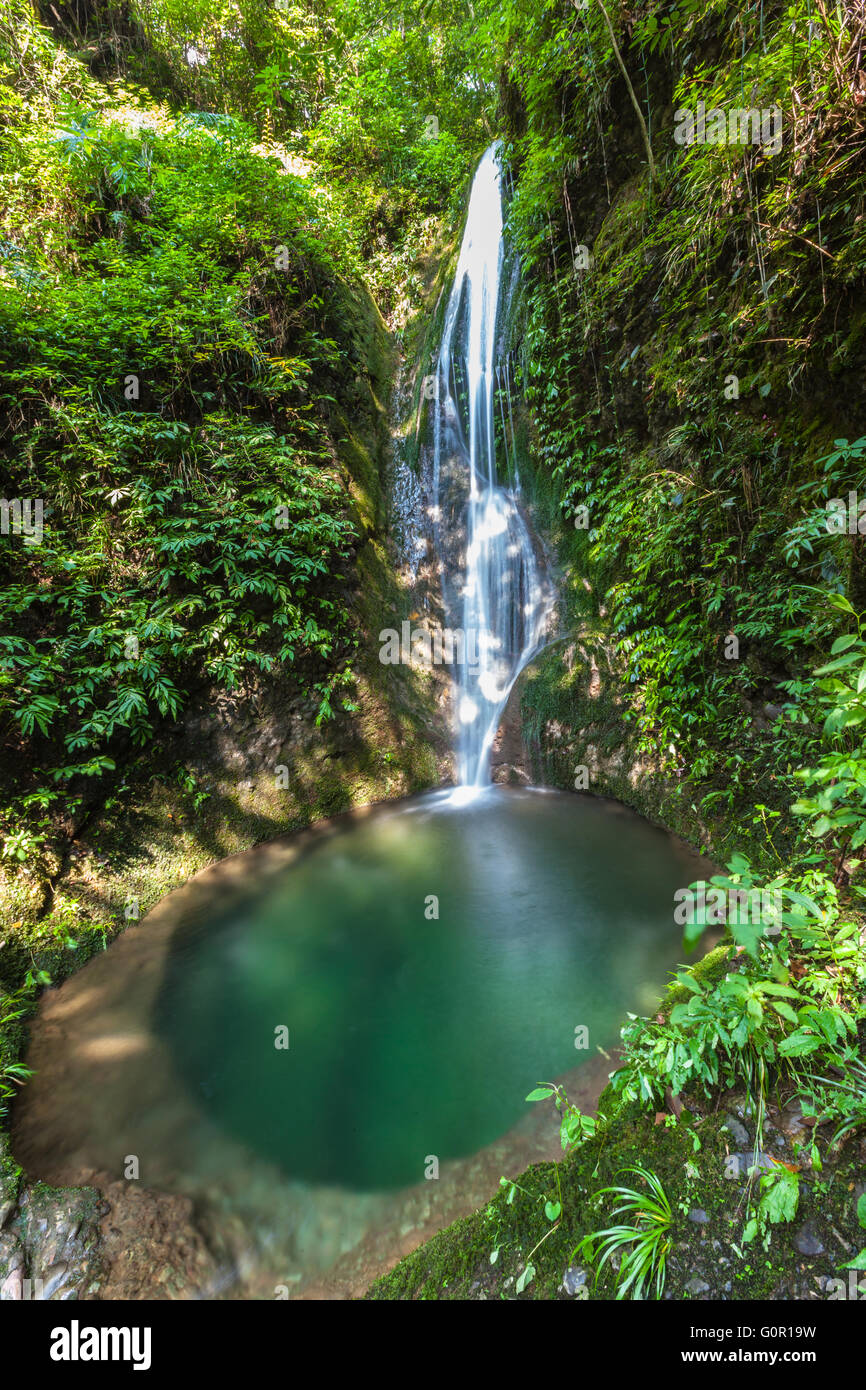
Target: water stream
{"x": 494, "y": 586}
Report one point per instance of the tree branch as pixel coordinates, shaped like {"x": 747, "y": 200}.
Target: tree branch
{"x": 634, "y": 102}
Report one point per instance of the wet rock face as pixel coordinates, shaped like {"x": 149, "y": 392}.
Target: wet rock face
{"x": 152, "y": 1248}
{"x": 509, "y": 758}
{"x": 49, "y": 1248}
{"x": 76, "y": 1243}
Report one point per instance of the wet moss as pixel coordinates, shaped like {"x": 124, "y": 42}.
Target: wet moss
{"x": 10, "y": 1177}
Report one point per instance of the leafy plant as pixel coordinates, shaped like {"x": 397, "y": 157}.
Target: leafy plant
{"x": 575, "y": 1127}
{"x": 836, "y": 807}
{"x": 782, "y": 999}
{"x": 840, "y": 1099}
{"x": 779, "y": 1197}
{"x": 14, "y": 1005}
{"x": 642, "y": 1245}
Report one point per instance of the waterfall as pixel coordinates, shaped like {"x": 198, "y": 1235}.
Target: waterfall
{"x": 492, "y": 584}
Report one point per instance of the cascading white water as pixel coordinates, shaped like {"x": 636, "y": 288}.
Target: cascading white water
{"x": 494, "y": 587}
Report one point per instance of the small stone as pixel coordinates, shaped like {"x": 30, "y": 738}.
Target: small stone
{"x": 808, "y": 1241}
{"x": 761, "y": 1161}
{"x": 792, "y": 1120}
{"x": 573, "y": 1279}
{"x": 699, "y": 1216}
{"x": 697, "y": 1286}
{"x": 737, "y": 1131}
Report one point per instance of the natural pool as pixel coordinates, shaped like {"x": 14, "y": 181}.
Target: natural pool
{"x": 301, "y": 1034}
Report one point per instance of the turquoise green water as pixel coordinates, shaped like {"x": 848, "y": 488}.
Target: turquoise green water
{"x": 412, "y": 1037}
